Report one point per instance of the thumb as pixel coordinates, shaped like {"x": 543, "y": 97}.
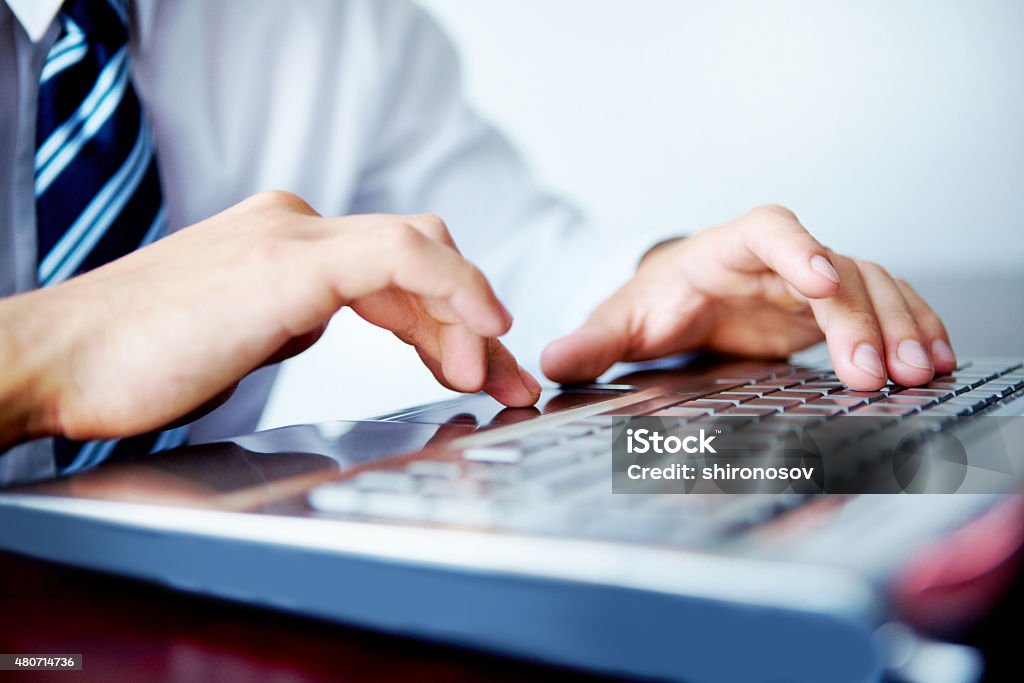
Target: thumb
{"x": 586, "y": 353}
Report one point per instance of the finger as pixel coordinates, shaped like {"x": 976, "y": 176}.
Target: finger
{"x": 364, "y": 262}
{"x": 434, "y": 365}
{"x": 936, "y": 337}
{"x": 433, "y": 227}
{"x": 463, "y": 355}
{"x": 773, "y": 237}
{"x": 507, "y": 381}
{"x": 456, "y": 356}
{"x": 436, "y": 229}
{"x": 463, "y": 361}
{"x": 851, "y": 330}
{"x": 588, "y": 352}
{"x": 906, "y": 359}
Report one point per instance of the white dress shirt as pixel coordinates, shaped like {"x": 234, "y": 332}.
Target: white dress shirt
{"x": 355, "y": 105}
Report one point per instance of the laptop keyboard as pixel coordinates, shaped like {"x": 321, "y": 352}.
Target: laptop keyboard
{"x": 556, "y": 480}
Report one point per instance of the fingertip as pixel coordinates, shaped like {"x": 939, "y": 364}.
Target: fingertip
{"x": 520, "y": 390}
{"x": 862, "y": 369}
{"x": 943, "y": 356}
{"x": 530, "y": 383}
{"x": 909, "y": 364}
{"x": 859, "y": 380}
{"x": 578, "y": 357}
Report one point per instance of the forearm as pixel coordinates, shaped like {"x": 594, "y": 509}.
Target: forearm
{"x": 25, "y": 342}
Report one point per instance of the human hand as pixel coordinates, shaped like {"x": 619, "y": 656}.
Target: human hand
{"x": 761, "y": 285}
{"x": 152, "y": 337}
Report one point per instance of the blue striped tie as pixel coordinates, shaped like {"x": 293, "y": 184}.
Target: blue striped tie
{"x": 96, "y": 179}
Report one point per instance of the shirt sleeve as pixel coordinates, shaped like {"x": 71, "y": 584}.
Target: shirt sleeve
{"x": 432, "y": 154}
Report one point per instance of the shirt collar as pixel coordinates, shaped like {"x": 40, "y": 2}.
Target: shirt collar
{"x": 35, "y": 16}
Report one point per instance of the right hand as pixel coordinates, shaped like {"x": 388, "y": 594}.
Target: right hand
{"x": 157, "y": 335}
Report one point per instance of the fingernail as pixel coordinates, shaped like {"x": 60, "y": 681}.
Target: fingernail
{"x": 531, "y": 384}
{"x": 942, "y": 352}
{"x": 867, "y": 359}
{"x": 911, "y": 352}
{"x": 820, "y": 265}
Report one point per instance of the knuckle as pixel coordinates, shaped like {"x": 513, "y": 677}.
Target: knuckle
{"x": 861, "y": 319}
{"x": 281, "y": 199}
{"x": 402, "y": 238}
{"x": 900, "y": 320}
{"x": 433, "y": 225}
{"x": 773, "y": 211}
{"x": 471, "y": 276}
{"x": 932, "y": 323}
{"x": 872, "y": 268}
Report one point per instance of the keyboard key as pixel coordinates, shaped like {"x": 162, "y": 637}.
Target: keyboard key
{"x": 805, "y": 375}
{"x": 747, "y": 410}
{"x": 802, "y": 396}
{"x": 393, "y": 482}
{"x": 394, "y": 506}
{"x": 462, "y": 488}
{"x": 496, "y": 473}
{"x": 547, "y": 461}
{"x": 506, "y": 452}
{"x": 937, "y": 393}
{"x": 444, "y": 469}
{"x": 772, "y": 402}
{"x": 338, "y": 498}
{"x": 684, "y": 411}
{"x": 714, "y": 406}
{"x": 902, "y": 399}
{"x": 571, "y": 481}
{"x": 822, "y": 384}
{"x": 1005, "y": 388}
{"x": 759, "y": 389}
{"x": 781, "y": 382}
{"x": 820, "y": 390}
{"x": 947, "y": 410}
{"x": 869, "y": 396}
{"x": 958, "y": 380}
{"x": 650, "y": 405}
{"x": 733, "y": 397}
{"x": 535, "y": 442}
{"x": 840, "y": 401}
{"x": 810, "y": 410}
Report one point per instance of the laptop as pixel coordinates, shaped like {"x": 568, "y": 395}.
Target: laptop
{"x": 819, "y": 550}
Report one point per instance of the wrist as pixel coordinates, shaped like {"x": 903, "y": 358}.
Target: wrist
{"x": 27, "y": 408}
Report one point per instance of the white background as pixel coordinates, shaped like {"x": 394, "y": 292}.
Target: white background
{"x": 895, "y": 130}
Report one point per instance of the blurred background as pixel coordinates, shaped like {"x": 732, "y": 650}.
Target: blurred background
{"x": 895, "y": 130}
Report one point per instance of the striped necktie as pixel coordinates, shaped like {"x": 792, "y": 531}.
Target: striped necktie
{"x": 96, "y": 180}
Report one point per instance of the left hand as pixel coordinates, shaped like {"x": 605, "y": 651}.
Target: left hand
{"x": 761, "y": 285}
